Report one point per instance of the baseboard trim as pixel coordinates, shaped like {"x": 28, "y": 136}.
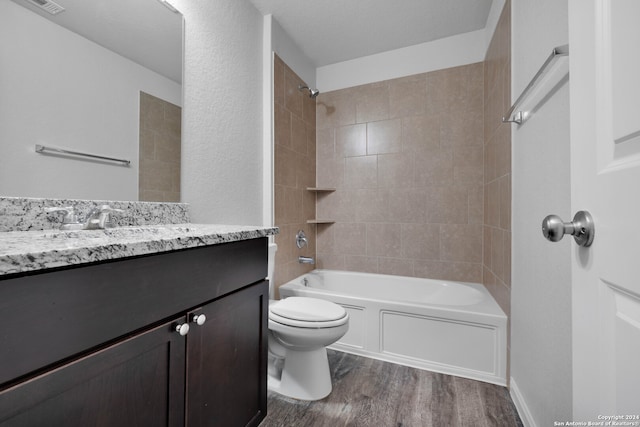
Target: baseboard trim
{"x": 521, "y": 405}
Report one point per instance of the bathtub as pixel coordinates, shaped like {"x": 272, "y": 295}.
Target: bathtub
{"x": 449, "y": 327}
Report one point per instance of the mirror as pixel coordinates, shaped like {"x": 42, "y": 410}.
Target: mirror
{"x": 77, "y": 80}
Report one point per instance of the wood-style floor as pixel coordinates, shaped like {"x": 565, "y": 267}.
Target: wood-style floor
{"x": 371, "y": 393}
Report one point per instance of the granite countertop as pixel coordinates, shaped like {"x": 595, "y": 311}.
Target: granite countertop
{"x": 24, "y": 251}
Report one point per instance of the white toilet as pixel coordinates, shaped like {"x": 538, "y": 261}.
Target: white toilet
{"x": 300, "y": 328}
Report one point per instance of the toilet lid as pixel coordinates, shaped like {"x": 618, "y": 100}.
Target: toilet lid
{"x": 307, "y": 309}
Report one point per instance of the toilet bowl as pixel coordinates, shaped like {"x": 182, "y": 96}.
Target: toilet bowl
{"x": 300, "y": 329}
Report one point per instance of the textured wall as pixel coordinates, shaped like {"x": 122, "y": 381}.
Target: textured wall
{"x": 222, "y": 111}
{"x": 295, "y": 170}
{"x": 406, "y": 158}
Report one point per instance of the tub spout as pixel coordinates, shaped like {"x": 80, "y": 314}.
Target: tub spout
{"x": 306, "y": 260}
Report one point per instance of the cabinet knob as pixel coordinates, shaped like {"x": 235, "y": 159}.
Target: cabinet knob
{"x": 199, "y": 319}
{"x": 182, "y": 328}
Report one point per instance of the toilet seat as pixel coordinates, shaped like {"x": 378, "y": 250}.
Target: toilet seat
{"x": 303, "y": 312}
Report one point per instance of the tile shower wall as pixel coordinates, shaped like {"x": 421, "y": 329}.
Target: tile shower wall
{"x": 159, "y": 151}
{"x": 294, "y": 170}
{"x": 497, "y": 164}
{"x": 406, "y": 158}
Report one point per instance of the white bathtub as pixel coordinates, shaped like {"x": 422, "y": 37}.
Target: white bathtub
{"x": 449, "y": 327}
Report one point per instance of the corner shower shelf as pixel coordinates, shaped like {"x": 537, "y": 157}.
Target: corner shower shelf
{"x": 321, "y": 189}
{"x": 320, "y": 221}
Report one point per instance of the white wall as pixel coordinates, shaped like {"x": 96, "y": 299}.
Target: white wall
{"x": 222, "y": 113}
{"x": 59, "y": 89}
{"x": 292, "y": 55}
{"x": 449, "y": 52}
{"x": 492, "y": 21}
{"x": 541, "y": 374}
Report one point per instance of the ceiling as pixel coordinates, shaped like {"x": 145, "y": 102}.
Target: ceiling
{"x": 330, "y": 31}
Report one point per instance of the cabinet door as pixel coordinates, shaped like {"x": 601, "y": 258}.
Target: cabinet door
{"x": 227, "y": 361}
{"x": 136, "y": 382}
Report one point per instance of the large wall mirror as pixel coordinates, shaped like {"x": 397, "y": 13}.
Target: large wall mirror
{"x": 102, "y": 77}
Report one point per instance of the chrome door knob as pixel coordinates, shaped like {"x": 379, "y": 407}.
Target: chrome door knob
{"x": 182, "y": 328}
{"x": 581, "y": 228}
{"x": 198, "y": 319}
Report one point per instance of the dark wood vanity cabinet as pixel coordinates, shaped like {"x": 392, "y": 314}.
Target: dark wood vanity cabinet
{"x": 226, "y": 361}
{"x": 97, "y": 345}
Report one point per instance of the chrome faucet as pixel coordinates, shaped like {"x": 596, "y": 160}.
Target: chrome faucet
{"x": 301, "y": 240}
{"x": 306, "y": 260}
{"x": 96, "y": 219}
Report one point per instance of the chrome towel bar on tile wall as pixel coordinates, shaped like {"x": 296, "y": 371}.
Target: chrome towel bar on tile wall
{"x": 42, "y": 149}
{"x": 514, "y": 115}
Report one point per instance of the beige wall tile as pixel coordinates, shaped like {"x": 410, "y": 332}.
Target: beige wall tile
{"x": 325, "y": 145}
{"x": 497, "y": 164}
{"x": 278, "y": 81}
{"x": 461, "y": 242}
{"x": 361, "y": 172}
{"x": 427, "y": 173}
{"x": 408, "y": 96}
{"x": 372, "y": 102}
{"x": 295, "y": 156}
{"x": 325, "y": 242}
{"x": 505, "y": 202}
{"x": 298, "y": 135}
{"x": 159, "y": 150}
{"x": 361, "y": 263}
{"x": 384, "y": 240}
{"x": 462, "y": 129}
{"x": 350, "y": 238}
{"x": 336, "y": 108}
{"x": 384, "y": 136}
{"x": 351, "y": 140}
{"x": 330, "y": 173}
{"x": 407, "y": 205}
{"x": 395, "y": 170}
{"x": 331, "y": 261}
{"x": 339, "y": 206}
{"x": 476, "y": 205}
{"x": 486, "y": 250}
{"x": 285, "y": 172}
{"x": 395, "y": 266}
{"x": 492, "y": 213}
{"x": 439, "y": 270}
{"x": 433, "y": 167}
{"x": 447, "y": 205}
{"x": 421, "y": 132}
{"x": 421, "y": 241}
{"x": 292, "y": 96}
{"x": 282, "y": 132}
{"x": 371, "y": 206}
{"x": 497, "y": 252}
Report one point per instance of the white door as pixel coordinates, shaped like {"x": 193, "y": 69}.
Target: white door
{"x": 604, "y": 40}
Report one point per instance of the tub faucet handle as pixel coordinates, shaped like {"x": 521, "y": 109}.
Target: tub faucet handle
{"x": 301, "y": 239}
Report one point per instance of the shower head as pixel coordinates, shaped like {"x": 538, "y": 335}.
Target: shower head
{"x": 312, "y": 92}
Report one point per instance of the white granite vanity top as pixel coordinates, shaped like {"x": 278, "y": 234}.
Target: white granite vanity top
{"x": 23, "y": 251}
